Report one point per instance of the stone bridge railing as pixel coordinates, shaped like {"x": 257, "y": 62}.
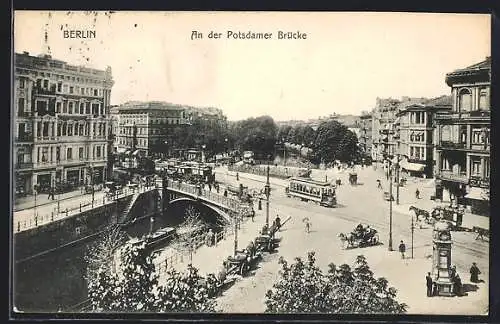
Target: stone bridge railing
{"x": 212, "y": 197}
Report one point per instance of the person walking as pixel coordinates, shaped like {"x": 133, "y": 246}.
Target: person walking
{"x": 417, "y": 194}
{"x": 277, "y": 221}
{"x": 402, "y": 249}
{"x": 237, "y": 176}
{"x": 474, "y": 273}
{"x": 51, "y": 193}
{"x": 429, "y": 283}
{"x": 379, "y": 184}
{"x": 252, "y": 214}
{"x": 457, "y": 285}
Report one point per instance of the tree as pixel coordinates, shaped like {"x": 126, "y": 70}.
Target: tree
{"x": 303, "y": 288}
{"x": 188, "y": 232}
{"x": 333, "y": 141}
{"x": 255, "y": 134}
{"x": 135, "y": 287}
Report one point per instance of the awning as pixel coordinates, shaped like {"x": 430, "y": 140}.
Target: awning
{"x": 413, "y": 166}
{"x": 121, "y": 150}
{"x": 135, "y": 152}
{"x": 477, "y": 193}
{"x": 127, "y": 152}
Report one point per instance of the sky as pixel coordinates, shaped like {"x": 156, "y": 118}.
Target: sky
{"x": 344, "y": 64}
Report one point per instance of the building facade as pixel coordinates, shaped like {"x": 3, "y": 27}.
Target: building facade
{"x": 145, "y": 128}
{"x": 384, "y": 144}
{"x": 414, "y": 129}
{"x": 61, "y": 123}
{"x": 463, "y": 139}
{"x": 365, "y": 136}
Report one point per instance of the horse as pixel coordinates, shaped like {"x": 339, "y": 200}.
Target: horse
{"x": 346, "y": 238}
{"x": 422, "y": 216}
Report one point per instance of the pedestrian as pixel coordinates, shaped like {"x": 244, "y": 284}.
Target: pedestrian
{"x": 417, "y": 194}
{"x": 237, "y": 176}
{"x": 277, "y": 221}
{"x": 453, "y": 272}
{"x": 225, "y": 193}
{"x": 402, "y": 249}
{"x": 474, "y": 273}
{"x": 217, "y": 187}
{"x": 429, "y": 283}
{"x": 210, "y": 187}
{"x": 379, "y": 184}
{"x": 457, "y": 285}
{"x": 434, "y": 289}
{"x": 253, "y": 214}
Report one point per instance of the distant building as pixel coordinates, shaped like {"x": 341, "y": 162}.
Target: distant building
{"x": 463, "y": 139}
{"x": 414, "y": 131}
{"x": 145, "y": 128}
{"x": 365, "y": 136}
{"x": 61, "y": 133}
{"x": 384, "y": 144}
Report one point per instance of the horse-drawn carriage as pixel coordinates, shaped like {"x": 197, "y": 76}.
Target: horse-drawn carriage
{"x": 363, "y": 235}
{"x": 452, "y": 215}
{"x": 242, "y": 262}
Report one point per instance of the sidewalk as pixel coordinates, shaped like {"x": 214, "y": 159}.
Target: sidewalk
{"x": 41, "y": 199}
{"x": 208, "y": 259}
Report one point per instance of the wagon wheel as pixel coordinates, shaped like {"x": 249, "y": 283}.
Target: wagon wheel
{"x": 242, "y": 269}
{"x": 375, "y": 239}
{"x": 270, "y": 245}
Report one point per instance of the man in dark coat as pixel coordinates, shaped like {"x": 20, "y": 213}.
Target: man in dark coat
{"x": 429, "y": 283}
{"x": 474, "y": 273}
{"x": 402, "y": 249}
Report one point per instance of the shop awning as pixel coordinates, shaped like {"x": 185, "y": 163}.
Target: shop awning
{"x": 121, "y": 150}
{"x": 417, "y": 167}
{"x": 135, "y": 152}
{"x": 477, "y": 193}
{"x": 127, "y": 152}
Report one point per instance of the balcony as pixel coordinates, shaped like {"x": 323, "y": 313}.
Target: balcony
{"x": 452, "y": 145}
{"x": 24, "y": 166}
{"x": 478, "y": 181}
{"x": 453, "y": 176}
{"x": 27, "y": 137}
{"x": 43, "y": 91}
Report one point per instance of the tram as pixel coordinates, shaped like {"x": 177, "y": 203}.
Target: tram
{"x": 306, "y": 189}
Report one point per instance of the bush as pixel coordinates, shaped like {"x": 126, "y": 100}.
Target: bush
{"x": 304, "y": 288}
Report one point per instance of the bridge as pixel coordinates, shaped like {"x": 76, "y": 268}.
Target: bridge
{"x": 226, "y": 207}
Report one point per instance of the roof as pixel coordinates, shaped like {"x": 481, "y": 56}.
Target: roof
{"x": 311, "y": 181}
{"x": 479, "y": 72}
{"x": 486, "y": 64}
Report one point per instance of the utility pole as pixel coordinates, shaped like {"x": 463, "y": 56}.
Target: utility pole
{"x": 235, "y": 234}
{"x": 390, "y": 210}
{"x": 397, "y": 184}
{"x": 268, "y": 192}
{"x": 412, "y": 230}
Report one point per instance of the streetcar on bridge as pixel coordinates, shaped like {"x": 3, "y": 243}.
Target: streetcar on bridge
{"x": 306, "y": 189}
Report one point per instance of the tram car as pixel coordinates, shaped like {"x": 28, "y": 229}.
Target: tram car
{"x": 320, "y": 192}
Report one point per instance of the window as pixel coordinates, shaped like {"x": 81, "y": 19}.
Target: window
{"x": 98, "y": 151}
{"x": 58, "y": 107}
{"x": 69, "y": 153}
{"x": 21, "y": 84}
{"x": 465, "y": 100}
{"x": 41, "y": 107}
{"x": 65, "y": 88}
{"x": 70, "y": 130}
{"x": 80, "y": 153}
{"x": 95, "y": 92}
{"x": 484, "y": 101}
{"x": 475, "y": 167}
{"x": 82, "y": 91}
{"x": 82, "y": 108}
{"x": 45, "y": 154}
{"x": 71, "y": 89}
{"x": 59, "y": 86}
{"x": 87, "y": 108}
{"x": 46, "y": 84}
{"x": 20, "y": 105}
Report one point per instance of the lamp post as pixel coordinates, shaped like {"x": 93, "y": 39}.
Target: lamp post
{"x": 268, "y": 192}
{"x": 397, "y": 182}
{"x": 390, "y": 208}
{"x": 284, "y": 151}
{"x": 203, "y": 153}
{"x": 412, "y": 230}
{"x": 225, "y": 145}
{"x": 166, "y": 145}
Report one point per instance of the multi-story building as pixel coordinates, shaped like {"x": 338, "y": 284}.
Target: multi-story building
{"x": 61, "y": 123}
{"x": 145, "y": 128}
{"x": 365, "y": 136}
{"x": 414, "y": 132}
{"x": 383, "y": 116}
{"x": 463, "y": 139}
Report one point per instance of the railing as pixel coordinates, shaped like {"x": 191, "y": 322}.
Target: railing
{"x": 449, "y": 175}
{"x": 283, "y": 173}
{"x": 24, "y": 138}
{"x": 450, "y": 144}
{"x": 24, "y": 165}
{"x": 40, "y": 90}
{"x": 81, "y": 206}
{"x": 231, "y": 203}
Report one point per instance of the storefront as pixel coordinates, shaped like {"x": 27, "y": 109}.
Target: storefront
{"x": 22, "y": 184}
{"x": 414, "y": 169}
{"x": 44, "y": 182}
{"x": 73, "y": 177}
{"x": 479, "y": 201}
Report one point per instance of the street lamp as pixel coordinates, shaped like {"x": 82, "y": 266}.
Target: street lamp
{"x": 390, "y": 202}
{"x": 284, "y": 151}
{"x": 268, "y": 192}
{"x": 203, "y": 153}
{"x": 166, "y": 144}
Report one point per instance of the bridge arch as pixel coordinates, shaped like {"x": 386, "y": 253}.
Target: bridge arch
{"x": 174, "y": 212}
